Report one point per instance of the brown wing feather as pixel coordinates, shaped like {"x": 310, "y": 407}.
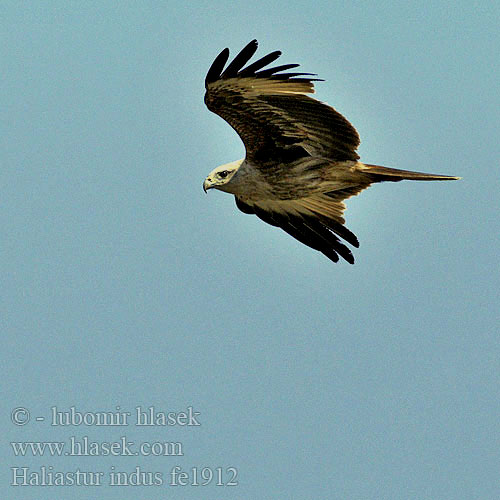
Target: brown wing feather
{"x": 271, "y": 112}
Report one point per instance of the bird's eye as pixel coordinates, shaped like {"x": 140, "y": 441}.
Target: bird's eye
{"x": 223, "y": 174}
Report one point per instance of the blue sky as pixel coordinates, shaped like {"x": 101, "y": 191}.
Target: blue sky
{"x": 123, "y": 284}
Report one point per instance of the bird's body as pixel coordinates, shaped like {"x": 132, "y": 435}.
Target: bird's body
{"x": 301, "y": 160}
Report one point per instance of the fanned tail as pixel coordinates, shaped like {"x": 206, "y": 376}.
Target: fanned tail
{"x": 381, "y": 174}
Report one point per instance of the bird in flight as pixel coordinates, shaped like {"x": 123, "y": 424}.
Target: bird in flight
{"x": 301, "y": 160}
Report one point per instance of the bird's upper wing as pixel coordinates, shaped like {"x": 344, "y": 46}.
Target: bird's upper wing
{"x": 271, "y": 112}
{"x": 315, "y": 220}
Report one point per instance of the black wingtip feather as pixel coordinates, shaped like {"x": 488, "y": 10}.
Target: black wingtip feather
{"x": 316, "y": 234}
{"x": 217, "y": 66}
{"x": 251, "y": 69}
{"x": 235, "y": 68}
{"x": 240, "y": 60}
{"x": 275, "y": 69}
{"x": 341, "y": 231}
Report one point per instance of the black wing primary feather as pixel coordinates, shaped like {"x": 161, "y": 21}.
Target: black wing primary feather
{"x": 217, "y": 66}
{"x": 234, "y": 69}
{"x": 260, "y": 63}
{"x": 240, "y": 60}
{"x": 317, "y": 234}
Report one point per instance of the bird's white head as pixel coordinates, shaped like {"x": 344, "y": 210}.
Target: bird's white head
{"x": 220, "y": 177}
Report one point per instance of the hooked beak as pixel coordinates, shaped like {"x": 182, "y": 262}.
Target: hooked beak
{"x": 207, "y": 184}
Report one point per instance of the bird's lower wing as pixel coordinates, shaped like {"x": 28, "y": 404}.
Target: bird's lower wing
{"x": 315, "y": 221}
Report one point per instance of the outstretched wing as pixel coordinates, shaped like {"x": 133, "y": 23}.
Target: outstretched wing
{"x": 270, "y": 111}
{"x": 316, "y": 221}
